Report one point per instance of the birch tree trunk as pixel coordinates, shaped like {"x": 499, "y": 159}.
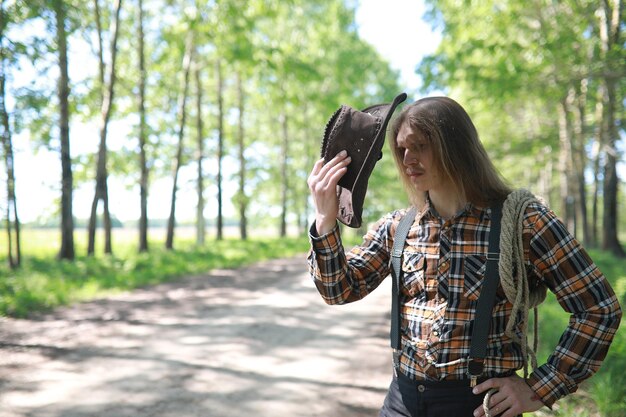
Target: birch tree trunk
{"x": 14, "y": 253}
{"x": 220, "y": 148}
{"x": 310, "y": 147}
{"x": 108, "y": 89}
{"x": 243, "y": 199}
{"x": 284, "y": 174}
{"x": 67, "y": 220}
{"x": 599, "y": 135}
{"x": 200, "y": 222}
{"x": 577, "y": 103}
{"x": 143, "y": 164}
{"x": 565, "y": 158}
{"x": 610, "y": 34}
{"x": 182, "y": 116}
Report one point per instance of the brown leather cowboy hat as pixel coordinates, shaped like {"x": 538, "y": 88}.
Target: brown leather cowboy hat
{"x": 362, "y": 135}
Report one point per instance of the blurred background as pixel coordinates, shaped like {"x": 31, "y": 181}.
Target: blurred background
{"x": 184, "y": 130}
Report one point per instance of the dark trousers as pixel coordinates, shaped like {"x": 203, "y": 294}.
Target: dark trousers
{"x": 407, "y": 398}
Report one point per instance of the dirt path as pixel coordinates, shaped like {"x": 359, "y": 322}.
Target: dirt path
{"x": 255, "y": 341}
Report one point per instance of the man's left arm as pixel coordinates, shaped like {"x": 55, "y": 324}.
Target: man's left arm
{"x": 584, "y": 292}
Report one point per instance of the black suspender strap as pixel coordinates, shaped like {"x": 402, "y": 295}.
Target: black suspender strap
{"x": 486, "y": 300}
{"x": 396, "y": 272}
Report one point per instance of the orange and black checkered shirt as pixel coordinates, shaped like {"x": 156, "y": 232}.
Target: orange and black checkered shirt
{"x": 443, "y": 268}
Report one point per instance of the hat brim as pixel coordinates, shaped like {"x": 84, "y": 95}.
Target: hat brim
{"x": 352, "y": 187}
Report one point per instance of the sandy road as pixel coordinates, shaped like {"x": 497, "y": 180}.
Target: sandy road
{"x": 257, "y": 341}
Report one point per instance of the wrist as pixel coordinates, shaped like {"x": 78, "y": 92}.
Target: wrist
{"x": 324, "y": 224}
{"x": 536, "y": 396}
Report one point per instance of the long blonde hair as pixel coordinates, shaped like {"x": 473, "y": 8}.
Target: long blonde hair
{"x": 457, "y": 150}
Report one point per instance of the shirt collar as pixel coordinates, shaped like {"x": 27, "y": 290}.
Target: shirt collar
{"x": 428, "y": 212}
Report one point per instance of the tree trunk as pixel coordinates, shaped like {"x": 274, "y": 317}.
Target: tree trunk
{"x": 182, "y": 116}
{"x": 200, "y": 223}
{"x": 546, "y": 174}
{"x": 143, "y": 164}
{"x": 14, "y": 253}
{"x": 565, "y": 157}
{"x": 599, "y": 135}
{"x": 101, "y": 63}
{"x": 577, "y": 102}
{"x": 311, "y": 156}
{"x": 243, "y": 199}
{"x": 611, "y": 181}
{"x": 91, "y": 227}
{"x": 67, "y": 220}
{"x": 102, "y": 191}
{"x": 610, "y": 32}
{"x": 220, "y": 148}
{"x": 284, "y": 174}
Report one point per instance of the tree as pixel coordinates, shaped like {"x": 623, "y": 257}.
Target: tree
{"x": 67, "y": 219}
{"x": 12, "y": 219}
{"x": 220, "y": 149}
{"x": 182, "y": 117}
{"x": 610, "y": 15}
{"x": 241, "y": 145}
{"x": 143, "y": 168}
{"x": 200, "y": 222}
{"x": 284, "y": 189}
{"x": 107, "y": 85}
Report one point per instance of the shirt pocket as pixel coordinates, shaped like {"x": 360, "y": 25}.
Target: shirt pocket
{"x": 474, "y": 267}
{"x": 414, "y": 271}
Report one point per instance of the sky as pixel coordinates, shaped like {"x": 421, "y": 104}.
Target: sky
{"x": 394, "y": 27}
{"x": 399, "y": 33}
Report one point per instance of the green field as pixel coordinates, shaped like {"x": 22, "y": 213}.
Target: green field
{"x": 43, "y": 282}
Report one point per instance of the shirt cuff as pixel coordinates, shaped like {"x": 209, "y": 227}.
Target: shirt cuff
{"x": 327, "y": 244}
{"x": 550, "y": 385}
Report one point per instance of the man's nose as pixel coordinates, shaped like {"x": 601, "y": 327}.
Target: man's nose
{"x": 410, "y": 157}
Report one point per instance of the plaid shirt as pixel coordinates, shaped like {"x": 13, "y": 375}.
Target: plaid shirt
{"x": 444, "y": 264}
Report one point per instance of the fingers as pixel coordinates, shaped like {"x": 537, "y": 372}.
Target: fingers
{"x": 485, "y": 386}
{"x": 513, "y": 397}
{"x": 339, "y": 159}
{"x": 322, "y": 184}
{"x": 495, "y": 400}
{"x": 326, "y": 175}
{"x": 498, "y": 404}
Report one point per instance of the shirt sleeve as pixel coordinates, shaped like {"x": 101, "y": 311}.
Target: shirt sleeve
{"x": 342, "y": 277}
{"x": 581, "y": 290}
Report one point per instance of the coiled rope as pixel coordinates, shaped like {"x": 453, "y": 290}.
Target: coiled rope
{"x": 514, "y": 279}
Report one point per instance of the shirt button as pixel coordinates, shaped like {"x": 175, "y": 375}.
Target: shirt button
{"x": 435, "y": 333}
{"x": 421, "y": 388}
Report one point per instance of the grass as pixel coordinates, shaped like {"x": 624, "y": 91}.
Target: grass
{"x": 43, "y": 283}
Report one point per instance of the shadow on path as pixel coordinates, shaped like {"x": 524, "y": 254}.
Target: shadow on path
{"x": 253, "y": 341}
